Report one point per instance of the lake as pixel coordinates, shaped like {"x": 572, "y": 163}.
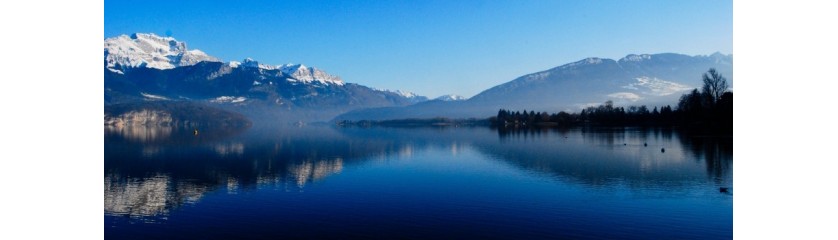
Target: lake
{"x": 324, "y": 182}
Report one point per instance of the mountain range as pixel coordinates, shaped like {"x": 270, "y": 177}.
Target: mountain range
{"x": 647, "y": 79}
{"x": 147, "y": 68}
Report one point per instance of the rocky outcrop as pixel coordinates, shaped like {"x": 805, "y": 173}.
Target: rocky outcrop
{"x": 171, "y": 113}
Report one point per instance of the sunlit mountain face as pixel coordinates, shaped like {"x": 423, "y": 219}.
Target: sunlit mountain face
{"x": 145, "y": 68}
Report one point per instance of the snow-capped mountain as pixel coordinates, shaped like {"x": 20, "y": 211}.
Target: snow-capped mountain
{"x": 406, "y": 94}
{"x": 636, "y": 79}
{"x": 146, "y": 67}
{"x": 150, "y": 51}
{"x": 305, "y": 74}
{"x": 633, "y": 79}
{"x": 450, "y": 97}
{"x": 412, "y": 97}
{"x": 295, "y": 72}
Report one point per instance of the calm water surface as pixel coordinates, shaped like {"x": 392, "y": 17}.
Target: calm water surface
{"x": 419, "y": 183}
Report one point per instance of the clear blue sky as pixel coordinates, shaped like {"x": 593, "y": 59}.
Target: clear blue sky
{"x": 431, "y": 47}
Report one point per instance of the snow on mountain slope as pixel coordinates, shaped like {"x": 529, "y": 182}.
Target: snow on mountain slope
{"x": 309, "y": 74}
{"x": 405, "y": 93}
{"x": 637, "y": 58}
{"x": 249, "y": 62}
{"x": 295, "y": 72}
{"x": 412, "y": 97}
{"x": 656, "y": 87}
{"x": 150, "y": 51}
{"x": 450, "y": 97}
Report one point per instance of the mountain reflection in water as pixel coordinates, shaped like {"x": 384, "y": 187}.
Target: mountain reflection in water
{"x": 150, "y": 171}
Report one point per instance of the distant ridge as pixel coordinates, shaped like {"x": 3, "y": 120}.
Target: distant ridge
{"x": 650, "y": 79}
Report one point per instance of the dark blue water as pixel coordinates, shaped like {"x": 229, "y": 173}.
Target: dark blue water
{"x": 416, "y": 183}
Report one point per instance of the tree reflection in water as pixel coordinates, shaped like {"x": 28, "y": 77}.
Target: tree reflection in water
{"x": 150, "y": 171}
